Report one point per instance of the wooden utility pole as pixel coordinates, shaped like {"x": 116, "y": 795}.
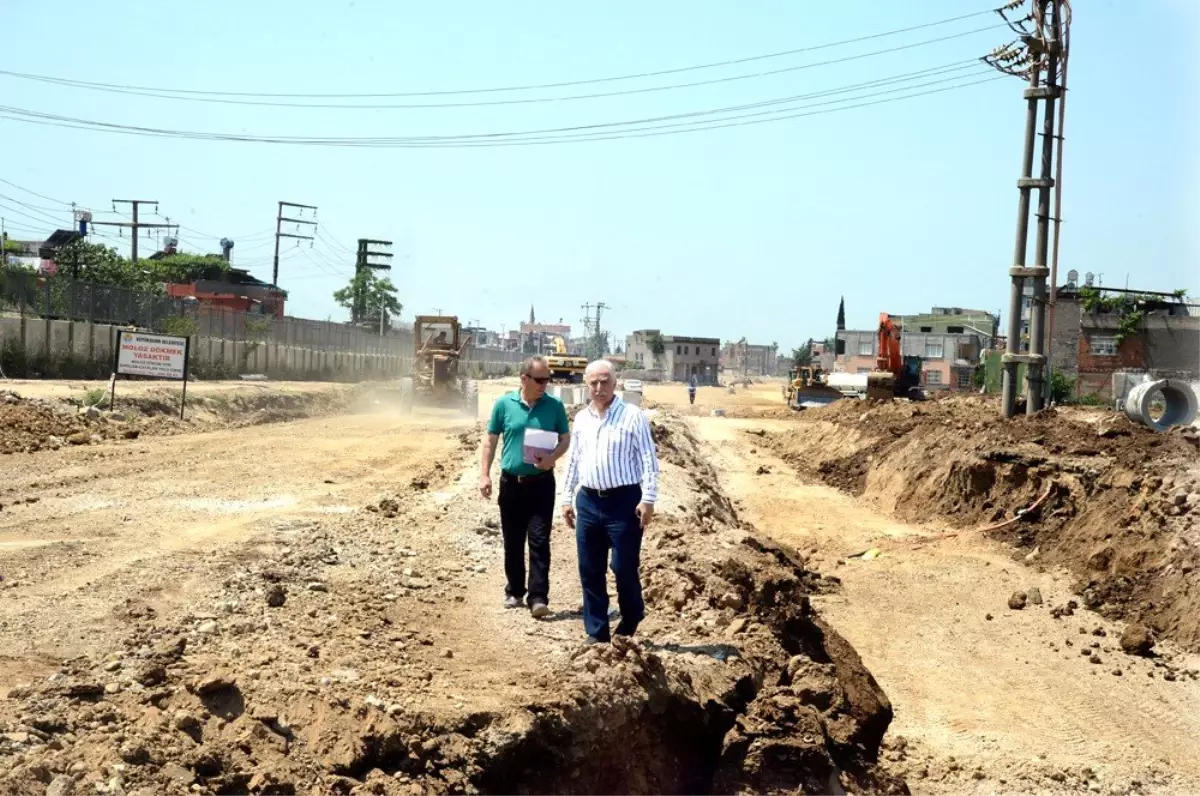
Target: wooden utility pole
{"x": 134, "y": 225}
{"x": 1037, "y": 51}
{"x": 279, "y": 233}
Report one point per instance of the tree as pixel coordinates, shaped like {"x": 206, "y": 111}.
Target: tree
{"x": 96, "y": 262}
{"x": 658, "y": 347}
{"x": 184, "y": 267}
{"x": 103, "y": 265}
{"x": 367, "y": 296}
{"x": 803, "y": 355}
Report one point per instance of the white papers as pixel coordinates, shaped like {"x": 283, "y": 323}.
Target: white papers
{"x": 537, "y": 443}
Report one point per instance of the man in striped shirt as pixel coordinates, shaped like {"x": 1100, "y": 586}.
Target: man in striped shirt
{"x": 614, "y": 465}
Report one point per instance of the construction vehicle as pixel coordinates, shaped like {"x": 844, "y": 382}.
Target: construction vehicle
{"x": 807, "y": 386}
{"x": 565, "y": 368}
{"x": 895, "y": 375}
{"x": 435, "y": 379}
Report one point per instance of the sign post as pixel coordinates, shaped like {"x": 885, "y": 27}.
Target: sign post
{"x": 158, "y": 356}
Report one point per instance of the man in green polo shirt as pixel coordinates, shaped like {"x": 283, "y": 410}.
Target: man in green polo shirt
{"x": 536, "y": 434}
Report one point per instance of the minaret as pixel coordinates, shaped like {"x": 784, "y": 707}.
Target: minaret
{"x": 531, "y": 319}
{"x": 841, "y": 319}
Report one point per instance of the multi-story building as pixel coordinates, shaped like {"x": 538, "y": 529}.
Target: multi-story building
{"x": 748, "y": 359}
{"x": 948, "y": 359}
{"x": 952, "y": 320}
{"x": 681, "y": 357}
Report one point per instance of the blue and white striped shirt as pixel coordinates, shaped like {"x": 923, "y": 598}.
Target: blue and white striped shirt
{"x": 616, "y": 450}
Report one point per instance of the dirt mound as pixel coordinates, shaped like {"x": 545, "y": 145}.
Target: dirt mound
{"x": 1112, "y": 501}
{"x": 310, "y": 669}
{"x": 28, "y": 425}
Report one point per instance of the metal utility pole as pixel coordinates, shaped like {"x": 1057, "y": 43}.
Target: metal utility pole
{"x": 1037, "y": 50}
{"x": 362, "y": 265}
{"x": 279, "y": 233}
{"x": 134, "y": 225}
{"x": 591, "y": 329}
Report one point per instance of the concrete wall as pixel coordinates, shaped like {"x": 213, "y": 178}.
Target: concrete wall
{"x": 94, "y": 342}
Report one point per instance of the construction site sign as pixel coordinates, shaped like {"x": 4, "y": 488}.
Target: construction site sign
{"x": 159, "y": 356}
{"x": 155, "y": 356}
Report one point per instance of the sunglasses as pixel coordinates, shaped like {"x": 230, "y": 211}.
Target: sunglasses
{"x": 543, "y": 380}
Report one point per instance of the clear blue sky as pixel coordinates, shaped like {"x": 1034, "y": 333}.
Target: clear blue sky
{"x": 755, "y": 230}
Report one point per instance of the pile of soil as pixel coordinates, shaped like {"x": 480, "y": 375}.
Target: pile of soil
{"x": 27, "y": 426}
{"x": 300, "y": 672}
{"x": 1121, "y": 501}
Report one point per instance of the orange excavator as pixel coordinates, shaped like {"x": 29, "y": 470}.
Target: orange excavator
{"x": 895, "y": 375}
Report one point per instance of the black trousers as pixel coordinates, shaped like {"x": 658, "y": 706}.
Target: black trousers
{"x": 526, "y": 512}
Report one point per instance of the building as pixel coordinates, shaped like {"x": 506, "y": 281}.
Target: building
{"x": 40, "y": 255}
{"x": 538, "y": 338}
{"x": 948, "y": 358}
{"x": 234, "y": 289}
{"x": 953, "y": 320}
{"x": 1092, "y": 337}
{"x": 748, "y": 359}
{"x": 482, "y": 337}
{"x": 681, "y": 357}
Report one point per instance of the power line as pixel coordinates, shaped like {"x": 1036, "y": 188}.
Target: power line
{"x": 34, "y": 207}
{"x": 528, "y": 87}
{"x": 40, "y": 195}
{"x": 589, "y": 129}
{"x": 157, "y": 93}
{"x": 53, "y": 120}
{"x": 38, "y": 219}
{"x": 135, "y": 225}
{"x": 333, "y": 242}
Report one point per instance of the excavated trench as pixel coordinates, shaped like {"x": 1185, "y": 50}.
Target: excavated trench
{"x": 760, "y": 696}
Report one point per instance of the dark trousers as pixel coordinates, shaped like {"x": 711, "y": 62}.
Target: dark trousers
{"x": 526, "y": 511}
{"x": 603, "y": 524}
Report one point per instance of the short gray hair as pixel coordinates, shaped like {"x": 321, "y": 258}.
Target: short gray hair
{"x": 528, "y": 364}
{"x": 599, "y": 364}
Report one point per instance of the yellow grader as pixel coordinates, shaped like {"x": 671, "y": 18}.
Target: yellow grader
{"x": 435, "y": 379}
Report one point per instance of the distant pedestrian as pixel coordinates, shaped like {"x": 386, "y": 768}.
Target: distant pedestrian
{"x": 615, "y": 467}
{"x": 536, "y": 434}
{"x": 692, "y": 391}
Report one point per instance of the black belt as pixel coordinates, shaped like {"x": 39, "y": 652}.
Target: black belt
{"x": 614, "y": 492}
{"x": 520, "y": 479}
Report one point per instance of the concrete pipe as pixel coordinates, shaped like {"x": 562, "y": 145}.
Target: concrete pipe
{"x": 1177, "y": 396}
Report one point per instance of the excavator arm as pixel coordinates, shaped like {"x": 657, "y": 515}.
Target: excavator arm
{"x": 889, "y": 359}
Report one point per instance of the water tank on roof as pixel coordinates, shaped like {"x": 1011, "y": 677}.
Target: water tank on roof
{"x": 1089, "y": 279}
{"x": 1072, "y": 277}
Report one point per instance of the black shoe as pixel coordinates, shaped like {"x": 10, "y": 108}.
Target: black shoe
{"x": 626, "y": 628}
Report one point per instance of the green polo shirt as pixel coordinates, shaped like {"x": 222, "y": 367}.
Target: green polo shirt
{"x": 510, "y": 418}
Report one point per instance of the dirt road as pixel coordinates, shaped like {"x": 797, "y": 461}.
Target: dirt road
{"x": 315, "y": 606}
{"x": 105, "y": 523}
{"x": 987, "y": 699}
